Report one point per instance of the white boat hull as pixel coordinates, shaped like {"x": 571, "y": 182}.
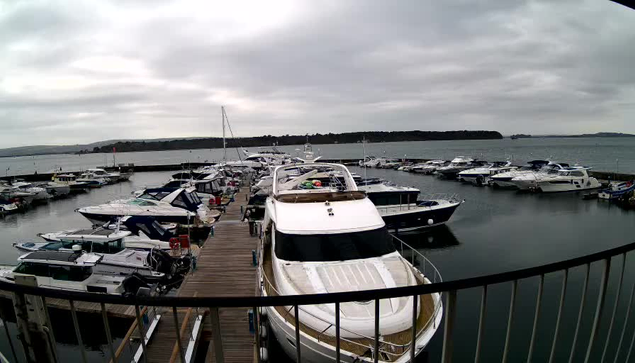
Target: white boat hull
{"x": 314, "y": 351}
{"x": 547, "y": 187}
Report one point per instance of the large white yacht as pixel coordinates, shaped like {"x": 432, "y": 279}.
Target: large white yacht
{"x": 529, "y": 181}
{"x": 167, "y": 205}
{"x": 327, "y": 239}
{"x": 456, "y": 166}
{"x": 483, "y": 174}
{"x": 429, "y": 167}
{"x": 568, "y": 180}
{"x": 504, "y": 180}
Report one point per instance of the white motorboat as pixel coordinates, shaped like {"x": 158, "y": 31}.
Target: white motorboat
{"x": 139, "y": 233}
{"x": 504, "y": 180}
{"x": 616, "y": 190}
{"x": 166, "y": 205}
{"x": 456, "y": 166}
{"x": 13, "y": 194}
{"x": 56, "y": 190}
{"x": 529, "y": 181}
{"x": 92, "y": 180}
{"x": 321, "y": 240}
{"x": 109, "y": 177}
{"x": 39, "y": 194}
{"x": 71, "y": 181}
{"x": 568, "y": 180}
{"x": 401, "y": 209}
{"x": 482, "y": 175}
{"x": 77, "y": 271}
{"x": 429, "y": 167}
{"x": 7, "y": 207}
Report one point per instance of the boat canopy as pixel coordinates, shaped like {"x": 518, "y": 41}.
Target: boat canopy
{"x": 148, "y": 225}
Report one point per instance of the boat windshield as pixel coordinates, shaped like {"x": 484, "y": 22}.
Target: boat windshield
{"x": 333, "y": 247}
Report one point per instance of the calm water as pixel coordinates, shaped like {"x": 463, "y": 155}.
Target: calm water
{"x": 493, "y": 231}
{"x": 605, "y": 154}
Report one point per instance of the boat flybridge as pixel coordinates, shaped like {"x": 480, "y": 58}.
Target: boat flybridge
{"x": 321, "y": 239}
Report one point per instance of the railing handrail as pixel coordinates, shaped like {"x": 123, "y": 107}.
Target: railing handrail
{"x": 313, "y": 299}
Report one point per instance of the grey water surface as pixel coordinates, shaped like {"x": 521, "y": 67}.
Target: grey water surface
{"x": 493, "y": 231}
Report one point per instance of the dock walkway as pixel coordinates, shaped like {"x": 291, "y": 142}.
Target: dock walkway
{"x": 224, "y": 268}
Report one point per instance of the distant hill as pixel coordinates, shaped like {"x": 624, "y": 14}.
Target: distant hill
{"x": 62, "y": 149}
{"x": 342, "y": 138}
{"x": 598, "y": 134}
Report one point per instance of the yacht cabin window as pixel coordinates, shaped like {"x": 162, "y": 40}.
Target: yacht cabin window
{"x": 66, "y": 273}
{"x": 333, "y": 247}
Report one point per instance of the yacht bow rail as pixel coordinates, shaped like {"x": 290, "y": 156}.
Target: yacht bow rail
{"x": 416, "y": 259}
{"x": 589, "y": 350}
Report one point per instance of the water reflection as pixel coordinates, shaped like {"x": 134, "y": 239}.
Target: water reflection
{"x": 440, "y": 237}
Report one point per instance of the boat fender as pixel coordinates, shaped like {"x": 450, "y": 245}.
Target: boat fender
{"x": 263, "y": 332}
{"x": 430, "y": 221}
{"x": 264, "y": 354}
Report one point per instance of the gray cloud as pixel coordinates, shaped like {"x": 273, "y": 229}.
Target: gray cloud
{"x": 79, "y": 72}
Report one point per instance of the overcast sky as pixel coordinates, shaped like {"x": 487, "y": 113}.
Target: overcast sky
{"x": 78, "y": 72}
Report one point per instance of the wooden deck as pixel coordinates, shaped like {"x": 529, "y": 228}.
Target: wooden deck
{"x": 224, "y": 268}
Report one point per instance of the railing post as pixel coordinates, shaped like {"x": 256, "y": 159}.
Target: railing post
{"x": 563, "y": 295}
{"x": 257, "y": 332}
{"x": 337, "y": 332}
{"x": 415, "y": 315}
{"x": 142, "y": 333}
{"x": 599, "y": 308}
{"x": 510, "y": 321}
{"x": 376, "y": 353}
{"x": 481, "y": 325}
{"x": 541, "y": 285}
{"x": 450, "y": 315}
{"x": 617, "y": 302}
{"x": 298, "y": 344}
{"x": 217, "y": 338}
{"x": 177, "y": 329}
{"x": 77, "y": 332}
{"x": 104, "y": 317}
{"x": 628, "y": 314}
{"x": 582, "y": 303}
{"x": 49, "y": 330}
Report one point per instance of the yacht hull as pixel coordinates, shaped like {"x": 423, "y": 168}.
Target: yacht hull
{"x": 314, "y": 351}
{"x": 401, "y": 219}
{"x": 548, "y": 187}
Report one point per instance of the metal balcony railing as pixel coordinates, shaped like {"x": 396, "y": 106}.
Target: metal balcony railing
{"x": 449, "y": 288}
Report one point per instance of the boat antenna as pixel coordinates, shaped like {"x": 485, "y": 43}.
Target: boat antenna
{"x": 364, "y": 159}
{"x": 222, "y": 111}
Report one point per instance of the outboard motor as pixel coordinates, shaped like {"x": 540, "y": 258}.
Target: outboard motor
{"x": 160, "y": 261}
{"x": 133, "y": 283}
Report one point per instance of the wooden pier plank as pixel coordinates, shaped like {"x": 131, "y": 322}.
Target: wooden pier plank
{"x": 224, "y": 268}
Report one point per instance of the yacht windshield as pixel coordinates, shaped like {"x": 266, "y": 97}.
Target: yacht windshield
{"x": 333, "y": 247}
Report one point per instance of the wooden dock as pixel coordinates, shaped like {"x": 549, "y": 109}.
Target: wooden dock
{"x": 224, "y": 268}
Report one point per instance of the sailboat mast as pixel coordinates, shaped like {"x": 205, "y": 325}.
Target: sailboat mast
{"x": 222, "y": 109}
